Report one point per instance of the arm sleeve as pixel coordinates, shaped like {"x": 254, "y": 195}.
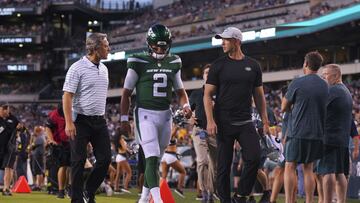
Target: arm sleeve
{"x": 71, "y": 80}
{"x": 213, "y": 78}
{"x": 178, "y": 84}
{"x": 258, "y": 79}
{"x": 131, "y": 79}
{"x": 50, "y": 124}
{"x": 291, "y": 93}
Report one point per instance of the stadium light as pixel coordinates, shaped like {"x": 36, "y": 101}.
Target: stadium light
{"x": 119, "y": 55}
{"x": 90, "y": 22}
{"x": 250, "y": 36}
{"x": 95, "y": 22}
{"x": 270, "y": 32}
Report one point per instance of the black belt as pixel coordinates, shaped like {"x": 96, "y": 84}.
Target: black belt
{"x": 90, "y": 117}
{"x": 173, "y": 153}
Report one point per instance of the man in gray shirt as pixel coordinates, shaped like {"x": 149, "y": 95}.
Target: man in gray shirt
{"x": 306, "y": 99}
{"x": 84, "y": 100}
{"x": 335, "y": 163}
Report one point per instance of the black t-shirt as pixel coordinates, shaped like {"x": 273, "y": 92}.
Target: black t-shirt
{"x": 235, "y": 81}
{"x": 339, "y": 116}
{"x": 3, "y": 137}
{"x": 197, "y": 104}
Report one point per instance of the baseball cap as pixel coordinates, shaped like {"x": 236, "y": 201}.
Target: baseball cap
{"x": 230, "y": 32}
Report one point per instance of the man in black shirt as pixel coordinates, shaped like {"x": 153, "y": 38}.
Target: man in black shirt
{"x": 3, "y": 131}
{"x": 205, "y": 146}
{"x": 236, "y": 79}
{"x": 335, "y": 162}
{"x": 8, "y": 146}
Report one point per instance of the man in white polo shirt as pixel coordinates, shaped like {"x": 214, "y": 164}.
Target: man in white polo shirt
{"x": 84, "y": 101}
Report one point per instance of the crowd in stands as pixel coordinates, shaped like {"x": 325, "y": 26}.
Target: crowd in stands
{"x": 20, "y": 58}
{"x": 17, "y": 2}
{"x": 21, "y": 87}
{"x": 23, "y": 29}
{"x": 193, "y": 12}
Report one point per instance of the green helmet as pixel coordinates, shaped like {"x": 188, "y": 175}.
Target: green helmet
{"x": 159, "y": 35}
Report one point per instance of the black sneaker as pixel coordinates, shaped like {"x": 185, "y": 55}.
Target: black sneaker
{"x": 88, "y": 198}
{"x": 251, "y": 199}
{"x": 179, "y": 192}
{"x": 265, "y": 197}
{"x": 61, "y": 194}
{"x": 238, "y": 199}
{"x": 6, "y": 192}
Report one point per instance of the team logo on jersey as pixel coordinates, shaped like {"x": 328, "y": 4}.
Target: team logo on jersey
{"x": 159, "y": 64}
{"x": 151, "y": 33}
{"x": 248, "y": 68}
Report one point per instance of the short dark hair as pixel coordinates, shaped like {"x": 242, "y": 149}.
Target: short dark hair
{"x": 206, "y": 66}
{"x": 314, "y": 60}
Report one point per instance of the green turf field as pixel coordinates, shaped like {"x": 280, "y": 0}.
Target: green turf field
{"x": 37, "y": 197}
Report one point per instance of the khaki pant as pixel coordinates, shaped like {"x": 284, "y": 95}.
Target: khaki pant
{"x": 205, "y": 150}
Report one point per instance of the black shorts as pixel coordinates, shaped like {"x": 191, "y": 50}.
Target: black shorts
{"x": 335, "y": 160}
{"x": 8, "y": 160}
{"x": 302, "y": 150}
{"x": 141, "y": 161}
{"x": 64, "y": 156}
{"x": 37, "y": 165}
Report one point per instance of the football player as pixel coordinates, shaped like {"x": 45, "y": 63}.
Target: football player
{"x": 153, "y": 75}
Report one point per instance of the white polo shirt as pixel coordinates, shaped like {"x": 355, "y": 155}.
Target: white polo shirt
{"x": 89, "y": 83}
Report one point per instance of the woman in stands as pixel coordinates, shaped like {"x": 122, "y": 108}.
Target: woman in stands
{"x": 122, "y": 164}
{"x": 170, "y": 159}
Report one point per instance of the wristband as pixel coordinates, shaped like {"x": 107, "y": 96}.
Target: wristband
{"x": 186, "y": 105}
{"x": 124, "y": 118}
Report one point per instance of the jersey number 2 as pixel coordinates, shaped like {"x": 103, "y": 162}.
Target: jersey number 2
{"x": 160, "y": 82}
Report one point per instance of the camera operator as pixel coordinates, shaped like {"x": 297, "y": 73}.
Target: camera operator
{"x": 8, "y": 145}
{"x": 55, "y": 131}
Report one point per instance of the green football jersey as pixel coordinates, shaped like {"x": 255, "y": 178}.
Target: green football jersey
{"x": 156, "y": 78}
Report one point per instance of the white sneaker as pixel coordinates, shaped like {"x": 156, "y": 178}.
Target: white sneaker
{"x": 124, "y": 190}
{"x": 144, "y": 200}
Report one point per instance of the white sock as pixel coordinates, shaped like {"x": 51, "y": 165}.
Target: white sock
{"x": 155, "y": 193}
{"x": 145, "y": 193}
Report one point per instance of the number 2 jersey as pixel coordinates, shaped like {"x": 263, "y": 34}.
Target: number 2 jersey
{"x": 153, "y": 80}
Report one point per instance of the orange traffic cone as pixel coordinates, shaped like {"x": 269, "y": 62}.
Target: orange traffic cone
{"x": 21, "y": 186}
{"x": 165, "y": 193}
